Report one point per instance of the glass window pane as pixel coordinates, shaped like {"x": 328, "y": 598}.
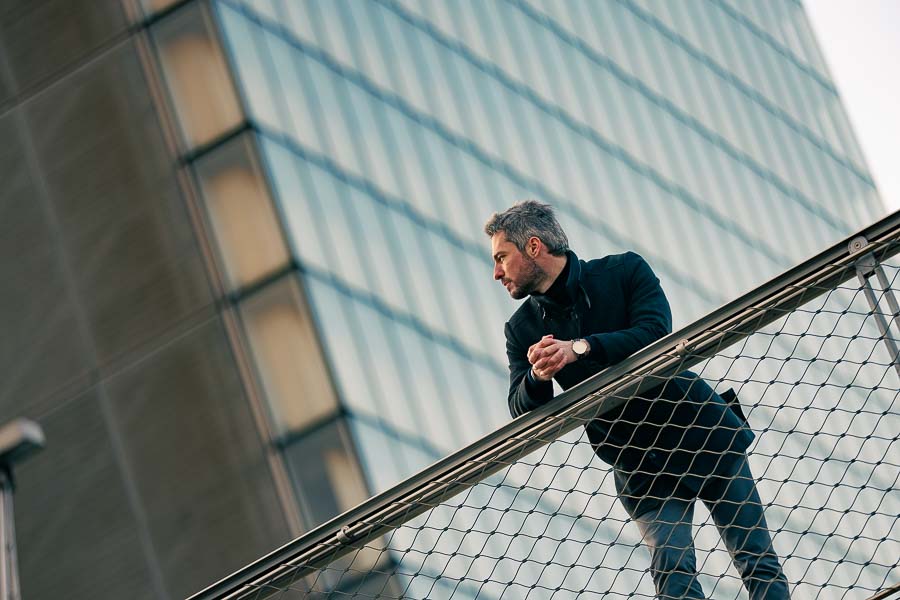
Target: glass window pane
{"x": 153, "y": 6}
{"x": 379, "y": 451}
{"x": 243, "y": 220}
{"x": 248, "y": 49}
{"x": 333, "y": 310}
{"x": 326, "y": 472}
{"x": 288, "y": 358}
{"x": 194, "y": 69}
{"x": 297, "y": 201}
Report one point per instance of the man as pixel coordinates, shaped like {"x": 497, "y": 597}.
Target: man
{"x": 668, "y": 447}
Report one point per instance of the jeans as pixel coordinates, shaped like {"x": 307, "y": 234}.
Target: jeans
{"x": 736, "y": 509}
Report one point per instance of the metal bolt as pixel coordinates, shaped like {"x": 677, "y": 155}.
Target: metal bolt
{"x": 343, "y": 535}
{"x": 857, "y": 244}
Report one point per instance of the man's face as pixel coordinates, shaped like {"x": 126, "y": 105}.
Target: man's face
{"x": 518, "y": 272}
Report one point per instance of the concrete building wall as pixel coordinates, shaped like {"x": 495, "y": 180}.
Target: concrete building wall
{"x": 154, "y": 481}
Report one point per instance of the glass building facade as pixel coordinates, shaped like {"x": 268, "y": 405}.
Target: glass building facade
{"x": 338, "y": 160}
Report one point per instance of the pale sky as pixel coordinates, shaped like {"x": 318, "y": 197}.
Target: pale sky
{"x": 861, "y": 43}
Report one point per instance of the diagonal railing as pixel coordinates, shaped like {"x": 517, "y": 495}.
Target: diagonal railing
{"x": 529, "y": 511}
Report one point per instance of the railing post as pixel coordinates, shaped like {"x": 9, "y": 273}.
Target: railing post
{"x": 18, "y": 440}
{"x": 866, "y": 266}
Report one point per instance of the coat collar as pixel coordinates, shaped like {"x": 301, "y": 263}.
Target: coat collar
{"x": 573, "y": 286}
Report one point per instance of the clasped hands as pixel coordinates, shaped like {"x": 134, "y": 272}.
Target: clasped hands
{"x": 548, "y": 356}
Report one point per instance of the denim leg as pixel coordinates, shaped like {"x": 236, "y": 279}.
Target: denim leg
{"x": 667, "y": 532}
{"x": 737, "y": 511}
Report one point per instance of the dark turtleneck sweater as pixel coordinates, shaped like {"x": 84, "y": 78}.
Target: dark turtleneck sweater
{"x": 557, "y": 291}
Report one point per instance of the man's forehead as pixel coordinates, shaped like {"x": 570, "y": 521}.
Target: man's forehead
{"x": 499, "y": 242}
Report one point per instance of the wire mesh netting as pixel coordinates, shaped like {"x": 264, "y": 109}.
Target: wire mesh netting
{"x": 536, "y": 514}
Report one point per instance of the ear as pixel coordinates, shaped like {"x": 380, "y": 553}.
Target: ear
{"x": 534, "y": 246}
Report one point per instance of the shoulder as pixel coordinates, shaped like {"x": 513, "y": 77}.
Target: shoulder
{"x": 525, "y": 326}
{"x": 613, "y": 263}
{"x": 526, "y": 314}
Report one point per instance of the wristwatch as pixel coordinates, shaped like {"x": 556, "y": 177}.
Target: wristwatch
{"x": 581, "y": 348}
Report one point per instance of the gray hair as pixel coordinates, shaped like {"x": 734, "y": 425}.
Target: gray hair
{"x": 524, "y": 220}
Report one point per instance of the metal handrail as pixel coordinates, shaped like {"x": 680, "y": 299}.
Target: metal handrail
{"x": 589, "y": 399}
{"x": 885, "y": 593}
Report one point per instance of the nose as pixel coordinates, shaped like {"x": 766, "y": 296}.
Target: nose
{"x": 498, "y": 271}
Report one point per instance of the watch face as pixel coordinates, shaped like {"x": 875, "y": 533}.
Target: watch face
{"x": 579, "y": 347}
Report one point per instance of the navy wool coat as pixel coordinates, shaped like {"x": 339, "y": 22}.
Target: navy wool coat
{"x": 666, "y": 441}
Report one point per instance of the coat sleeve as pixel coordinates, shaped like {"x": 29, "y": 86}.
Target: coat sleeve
{"x": 524, "y": 394}
{"x": 649, "y": 315}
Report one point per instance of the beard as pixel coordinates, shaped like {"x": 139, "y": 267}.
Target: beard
{"x": 530, "y": 280}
